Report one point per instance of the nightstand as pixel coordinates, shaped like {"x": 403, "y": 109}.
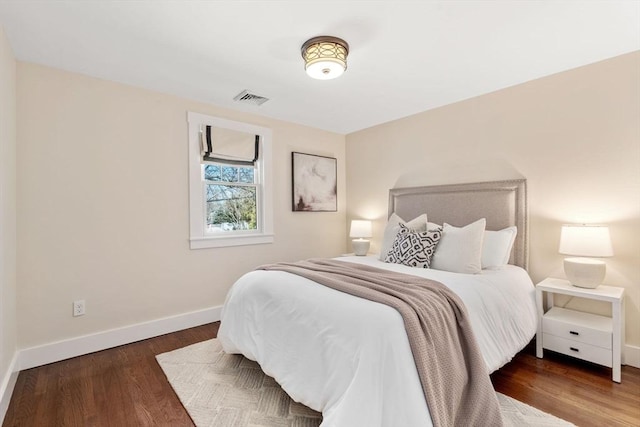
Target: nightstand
{"x": 591, "y": 337}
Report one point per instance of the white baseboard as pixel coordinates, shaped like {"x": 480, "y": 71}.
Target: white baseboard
{"x": 60, "y": 350}
{"x": 632, "y": 356}
{"x": 7, "y": 385}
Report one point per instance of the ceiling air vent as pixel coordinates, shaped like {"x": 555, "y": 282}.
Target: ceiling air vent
{"x": 250, "y": 98}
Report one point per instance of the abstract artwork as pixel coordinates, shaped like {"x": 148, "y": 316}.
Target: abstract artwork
{"x": 315, "y": 183}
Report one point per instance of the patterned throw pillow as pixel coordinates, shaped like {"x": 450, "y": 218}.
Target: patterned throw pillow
{"x": 414, "y": 248}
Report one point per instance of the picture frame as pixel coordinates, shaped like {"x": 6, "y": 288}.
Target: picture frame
{"x": 314, "y": 183}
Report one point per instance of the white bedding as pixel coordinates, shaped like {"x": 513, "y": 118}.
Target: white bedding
{"x": 350, "y": 358}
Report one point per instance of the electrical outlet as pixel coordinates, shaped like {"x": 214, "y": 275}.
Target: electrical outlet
{"x": 78, "y": 308}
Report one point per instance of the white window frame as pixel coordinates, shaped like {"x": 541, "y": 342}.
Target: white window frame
{"x": 199, "y": 237}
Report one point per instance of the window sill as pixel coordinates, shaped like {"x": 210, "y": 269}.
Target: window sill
{"x": 221, "y": 242}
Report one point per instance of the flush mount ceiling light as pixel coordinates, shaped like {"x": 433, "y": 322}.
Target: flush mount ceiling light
{"x": 325, "y": 57}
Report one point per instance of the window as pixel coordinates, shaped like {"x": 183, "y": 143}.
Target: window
{"x": 231, "y": 198}
{"x": 229, "y": 183}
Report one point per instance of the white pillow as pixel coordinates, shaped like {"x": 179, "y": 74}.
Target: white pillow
{"x": 392, "y": 228}
{"x": 432, "y": 226}
{"x": 496, "y": 247}
{"x": 460, "y": 249}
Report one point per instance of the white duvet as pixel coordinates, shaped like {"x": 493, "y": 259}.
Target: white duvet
{"x": 349, "y": 358}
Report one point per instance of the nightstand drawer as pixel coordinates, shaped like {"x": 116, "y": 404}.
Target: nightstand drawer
{"x": 578, "y": 327}
{"x": 583, "y": 351}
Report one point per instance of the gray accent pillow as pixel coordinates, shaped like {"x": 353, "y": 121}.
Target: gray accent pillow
{"x": 392, "y": 228}
{"x": 413, "y": 248}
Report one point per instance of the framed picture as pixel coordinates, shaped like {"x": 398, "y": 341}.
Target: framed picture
{"x": 315, "y": 183}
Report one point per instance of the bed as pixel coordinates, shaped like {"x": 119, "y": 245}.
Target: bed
{"x": 350, "y": 358}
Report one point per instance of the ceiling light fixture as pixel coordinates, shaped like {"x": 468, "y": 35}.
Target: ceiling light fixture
{"x": 325, "y": 57}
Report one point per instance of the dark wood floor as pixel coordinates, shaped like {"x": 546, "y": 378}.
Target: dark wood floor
{"x": 577, "y": 391}
{"x": 124, "y": 386}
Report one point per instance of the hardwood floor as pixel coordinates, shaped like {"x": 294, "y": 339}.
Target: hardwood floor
{"x": 119, "y": 387}
{"x": 577, "y": 391}
{"x": 124, "y": 386}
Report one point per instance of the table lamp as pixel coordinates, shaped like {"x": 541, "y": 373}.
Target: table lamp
{"x": 585, "y": 241}
{"x": 360, "y": 231}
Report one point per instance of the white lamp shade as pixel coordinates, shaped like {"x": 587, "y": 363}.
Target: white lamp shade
{"x": 585, "y": 240}
{"x": 360, "y": 229}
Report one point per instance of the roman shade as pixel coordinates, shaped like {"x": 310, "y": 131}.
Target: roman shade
{"x": 220, "y": 145}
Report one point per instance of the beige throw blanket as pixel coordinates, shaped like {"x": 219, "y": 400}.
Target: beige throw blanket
{"x": 452, "y": 371}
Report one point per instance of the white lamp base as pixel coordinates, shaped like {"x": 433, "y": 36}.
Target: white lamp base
{"x": 360, "y": 246}
{"x": 585, "y": 272}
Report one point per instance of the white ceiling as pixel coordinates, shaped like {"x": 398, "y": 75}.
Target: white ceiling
{"x": 405, "y": 56}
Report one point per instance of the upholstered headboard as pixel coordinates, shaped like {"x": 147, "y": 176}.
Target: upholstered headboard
{"x": 502, "y": 203}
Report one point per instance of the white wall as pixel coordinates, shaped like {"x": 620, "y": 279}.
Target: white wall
{"x": 575, "y": 137}
{"x": 7, "y": 217}
{"x": 103, "y": 206}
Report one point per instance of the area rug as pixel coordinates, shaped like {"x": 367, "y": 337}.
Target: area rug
{"x": 228, "y": 390}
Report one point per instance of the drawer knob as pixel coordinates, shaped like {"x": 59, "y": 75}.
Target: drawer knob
{"x": 574, "y": 333}
{"x": 574, "y": 349}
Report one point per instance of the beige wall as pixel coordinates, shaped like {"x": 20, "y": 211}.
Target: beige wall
{"x": 575, "y": 137}
{"x": 103, "y": 191}
{"x": 103, "y": 206}
{"x": 7, "y": 205}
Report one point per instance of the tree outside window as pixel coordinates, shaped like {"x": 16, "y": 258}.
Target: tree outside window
{"x": 231, "y": 198}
